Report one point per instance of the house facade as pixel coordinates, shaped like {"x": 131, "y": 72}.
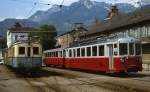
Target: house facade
{"x": 16, "y": 34}
{"x": 70, "y": 38}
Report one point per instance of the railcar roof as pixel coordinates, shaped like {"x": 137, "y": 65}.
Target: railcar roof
{"x": 23, "y": 42}
{"x": 120, "y": 40}
{"x": 51, "y": 50}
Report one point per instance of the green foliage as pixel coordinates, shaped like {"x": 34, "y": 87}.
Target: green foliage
{"x": 47, "y": 34}
{"x": 17, "y": 25}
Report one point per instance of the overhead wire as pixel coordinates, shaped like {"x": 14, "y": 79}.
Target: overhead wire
{"x": 32, "y": 9}
{"x": 37, "y": 3}
{"x": 22, "y": 1}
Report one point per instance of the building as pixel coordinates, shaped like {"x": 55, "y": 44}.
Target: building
{"x": 18, "y": 33}
{"x": 135, "y": 24}
{"x": 70, "y": 38}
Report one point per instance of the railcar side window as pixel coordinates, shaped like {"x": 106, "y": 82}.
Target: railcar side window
{"x": 70, "y": 53}
{"x": 78, "y": 52}
{"x": 101, "y": 50}
{"x": 57, "y": 54}
{"x": 50, "y": 54}
{"x": 88, "y": 51}
{"x": 138, "y": 49}
{"x": 115, "y": 50}
{"x": 82, "y": 52}
{"x": 36, "y": 51}
{"x": 74, "y": 52}
{"x": 64, "y": 53}
{"x": 131, "y": 48}
{"x": 60, "y": 54}
{"x": 94, "y": 50}
{"x": 21, "y": 50}
{"x": 123, "y": 49}
{"x": 53, "y": 54}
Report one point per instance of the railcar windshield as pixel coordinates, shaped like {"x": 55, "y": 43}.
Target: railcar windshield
{"x": 123, "y": 48}
{"x": 21, "y": 50}
{"x": 36, "y": 50}
{"x": 138, "y": 49}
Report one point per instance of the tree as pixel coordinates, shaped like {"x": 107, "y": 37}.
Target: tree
{"x": 47, "y": 36}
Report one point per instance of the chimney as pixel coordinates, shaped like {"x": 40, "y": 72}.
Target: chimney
{"x": 113, "y": 12}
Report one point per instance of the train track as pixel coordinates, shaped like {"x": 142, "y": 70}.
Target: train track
{"x": 42, "y": 82}
{"x": 111, "y": 85}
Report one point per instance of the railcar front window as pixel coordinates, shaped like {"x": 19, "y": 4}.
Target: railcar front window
{"x": 138, "y": 49}
{"x": 21, "y": 50}
{"x": 36, "y": 51}
{"x": 123, "y": 49}
{"x": 131, "y": 48}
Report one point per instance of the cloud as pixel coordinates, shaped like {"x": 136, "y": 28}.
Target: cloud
{"x": 17, "y": 17}
{"x": 2, "y": 18}
{"x": 20, "y": 17}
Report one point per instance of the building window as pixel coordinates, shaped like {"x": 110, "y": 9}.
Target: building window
{"x": 21, "y": 50}
{"x": 36, "y": 51}
{"x": 16, "y": 36}
{"x": 143, "y": 30}
{"x": 148, "y": 28}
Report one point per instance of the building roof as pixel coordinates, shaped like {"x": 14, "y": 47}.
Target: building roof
{"x": 23, "y": 29}
{"x": 74, "y": 30}
{"x": 120, "y": 21}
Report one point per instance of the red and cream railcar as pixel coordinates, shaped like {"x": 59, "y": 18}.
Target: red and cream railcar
{"x": 121, "y": 55}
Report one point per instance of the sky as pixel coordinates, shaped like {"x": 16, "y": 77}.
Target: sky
{"x": 21, "y": 9}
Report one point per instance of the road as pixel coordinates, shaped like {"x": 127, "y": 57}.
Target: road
{"x": 61, "y": 80}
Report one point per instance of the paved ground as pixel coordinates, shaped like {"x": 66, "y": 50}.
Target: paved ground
{"x": 60, "y": 80}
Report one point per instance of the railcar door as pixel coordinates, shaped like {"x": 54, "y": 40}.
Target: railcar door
{"x": 110, "y": 54}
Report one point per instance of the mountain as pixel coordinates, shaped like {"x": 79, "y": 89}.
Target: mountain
{"x": 8, "y": 23}
{"x": 84, "y": 11}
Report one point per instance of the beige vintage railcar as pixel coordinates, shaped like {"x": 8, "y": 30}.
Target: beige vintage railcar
{"x": 24, "y": 54}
